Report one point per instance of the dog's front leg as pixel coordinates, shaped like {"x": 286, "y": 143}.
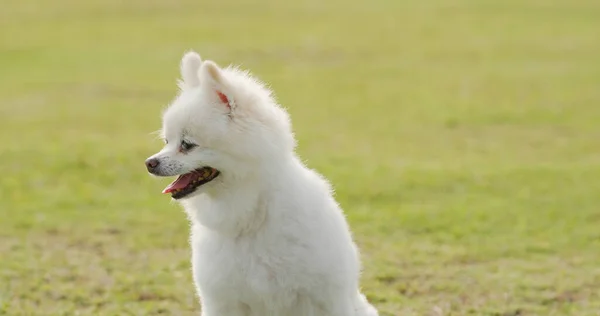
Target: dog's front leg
{"x": 220, "y": 308}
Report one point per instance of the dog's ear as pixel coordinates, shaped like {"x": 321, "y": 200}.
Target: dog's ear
{"x": 190, "y": 64}
{"x": 216, "y": 84}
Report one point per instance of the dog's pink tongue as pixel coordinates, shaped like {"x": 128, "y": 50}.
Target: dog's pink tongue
{"x": 181, "y": 182}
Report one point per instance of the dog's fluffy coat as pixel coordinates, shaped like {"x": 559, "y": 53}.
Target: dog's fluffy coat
{"x": 268, "y": 238}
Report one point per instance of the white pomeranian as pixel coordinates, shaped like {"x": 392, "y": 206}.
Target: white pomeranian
{"x": 268, "y": 238}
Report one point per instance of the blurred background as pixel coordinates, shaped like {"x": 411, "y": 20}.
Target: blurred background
{"x": 462, "y": 138}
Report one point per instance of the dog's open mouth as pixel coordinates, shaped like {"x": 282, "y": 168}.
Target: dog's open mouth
{"x": 187, "y": 183}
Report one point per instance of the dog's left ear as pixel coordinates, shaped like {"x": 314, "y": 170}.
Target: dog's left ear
{"x": 211, "y": 76}
{"x": 190, "y": 64}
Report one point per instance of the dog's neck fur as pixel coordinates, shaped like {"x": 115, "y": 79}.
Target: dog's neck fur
{"x": 237, "y": 208}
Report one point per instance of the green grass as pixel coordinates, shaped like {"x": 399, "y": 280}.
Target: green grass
{"x": 462, "y": 138}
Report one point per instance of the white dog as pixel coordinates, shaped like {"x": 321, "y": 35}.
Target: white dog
{"x": 268, "y": 238}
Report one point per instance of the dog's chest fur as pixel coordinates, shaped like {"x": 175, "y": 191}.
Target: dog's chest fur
{"x": 256, "y": 268}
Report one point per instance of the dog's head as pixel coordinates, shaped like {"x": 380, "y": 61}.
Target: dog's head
{"x": 223, "y": 126}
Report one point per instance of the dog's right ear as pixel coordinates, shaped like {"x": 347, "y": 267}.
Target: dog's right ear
{"x": 190, "y": 65}
{"x": 217, "y": 85}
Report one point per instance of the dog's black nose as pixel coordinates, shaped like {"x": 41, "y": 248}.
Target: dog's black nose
{"x": 151, "y": 164}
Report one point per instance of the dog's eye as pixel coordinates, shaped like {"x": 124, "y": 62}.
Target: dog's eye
{"x": 185, "y": 146}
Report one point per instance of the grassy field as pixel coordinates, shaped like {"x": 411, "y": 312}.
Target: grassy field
{"x": 462, "y": 137}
